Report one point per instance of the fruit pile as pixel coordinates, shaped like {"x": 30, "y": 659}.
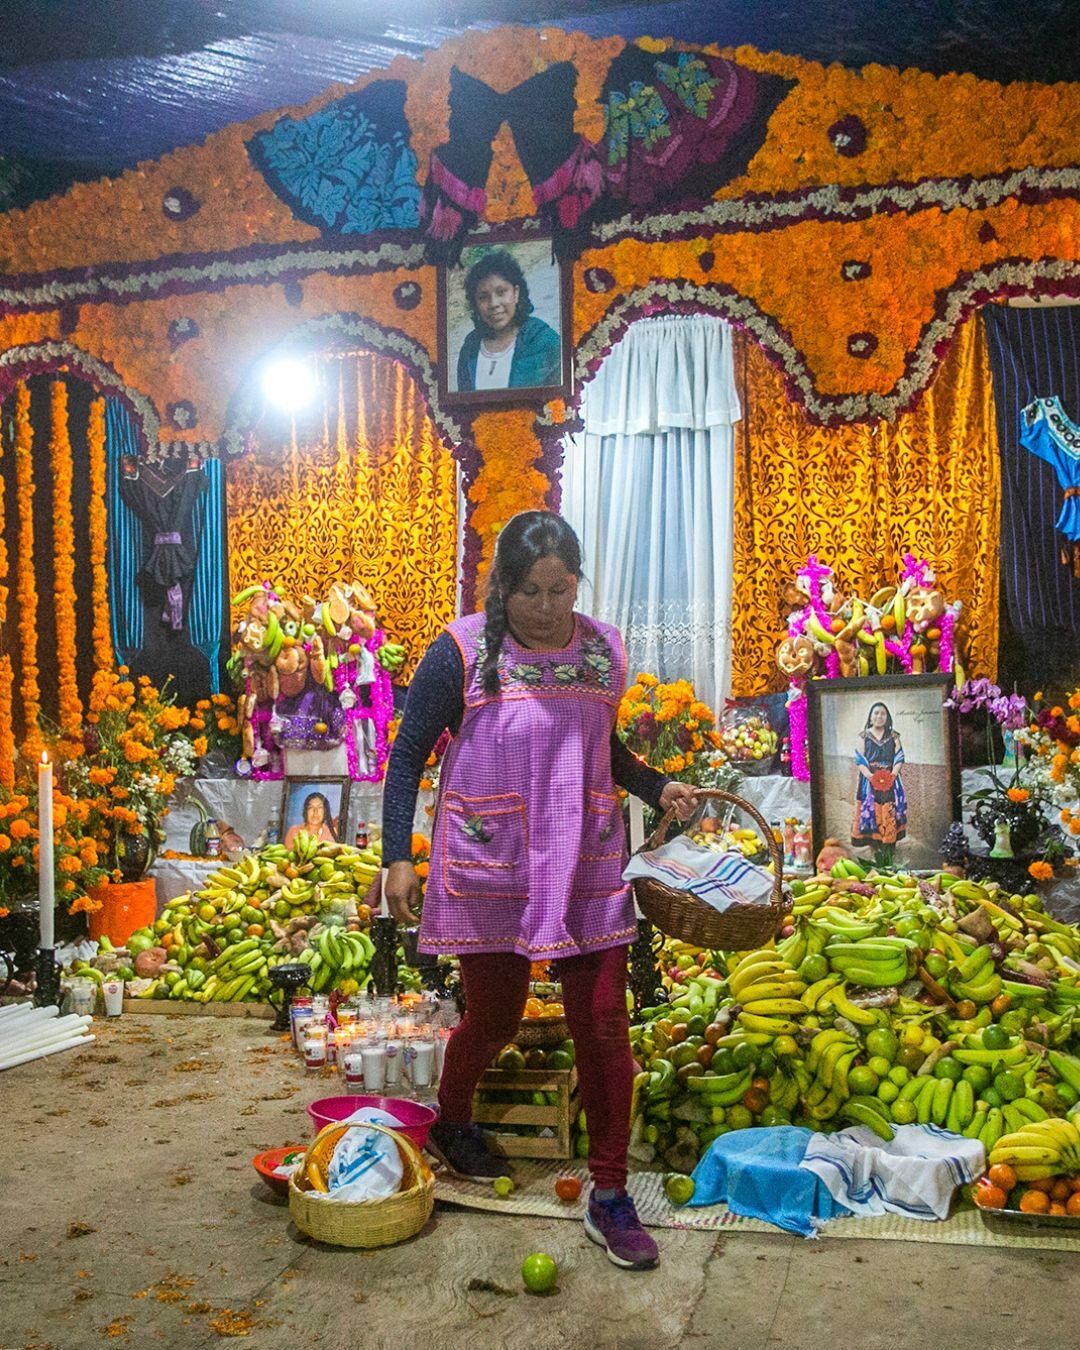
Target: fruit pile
{"x": 887, "y": 1000}
{"x": 747, "y": 736}
{"x": 300, "y": 904}
{"x": 1001, "y": 1188}
{"x": 742, "y": 840}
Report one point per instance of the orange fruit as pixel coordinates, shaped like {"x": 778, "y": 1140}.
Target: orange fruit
{"x": 1001, "y": 1174}
{"x": 988, "y": 1197}
{"x": 568, "y": 1189}
{"x": 1060, "y": 1191}
{"x": 553, "y": 1010}
{"x": 1074, "y": 1182}
{"x": 1056, "y": 1207}
{"x": 534, "y": 1008}
{"x": 1035, "y": 1202}
{"x": 966, "y": 1009}
{"x": 761, "y": 1085}
{"x": 1072, "y": 1205}
{"x": 754, "y": 1101}
{"x": 1042, "y": 1184}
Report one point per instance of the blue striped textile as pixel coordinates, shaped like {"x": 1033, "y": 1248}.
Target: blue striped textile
{"x": 125, "y": 537}
{"x": 720, "y": 879}
{"x": 206, "y": 610}
{"x": 1035, "y": 353}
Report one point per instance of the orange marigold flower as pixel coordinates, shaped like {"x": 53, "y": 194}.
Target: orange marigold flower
{"x": 5, "y": 843}
{"x": 199, "y": 745}
{"x": 20, "y": 828}
{"x": 203, "y": 704}
{"x": 1041, "y": 871}
{"x": 4, "y": 912}
{"x": 1016, "y": 794}
{"x": 68, "y": 886}
{"x": 69, "y": 863}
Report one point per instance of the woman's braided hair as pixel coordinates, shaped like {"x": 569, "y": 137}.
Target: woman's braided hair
{"x": 524, "y": 541}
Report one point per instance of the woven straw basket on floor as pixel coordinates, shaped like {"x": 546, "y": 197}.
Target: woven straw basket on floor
{"x": 366, "y": 1223}
{"x": 739, "y": 928}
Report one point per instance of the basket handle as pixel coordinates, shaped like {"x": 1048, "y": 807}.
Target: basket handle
{"x": 716, "y": 794}
{"x": 401, "y": 1140}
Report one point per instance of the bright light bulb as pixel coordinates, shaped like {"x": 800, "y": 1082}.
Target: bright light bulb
{"x": 289, "y": 384}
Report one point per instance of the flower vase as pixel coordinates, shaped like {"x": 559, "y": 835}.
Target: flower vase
{"x": 135, "y": 854}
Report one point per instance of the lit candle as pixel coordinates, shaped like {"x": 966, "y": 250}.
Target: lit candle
{"x": 46, "y": 879}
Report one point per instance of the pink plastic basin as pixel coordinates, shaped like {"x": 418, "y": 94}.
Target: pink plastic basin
{"x": 415, "y": 1118}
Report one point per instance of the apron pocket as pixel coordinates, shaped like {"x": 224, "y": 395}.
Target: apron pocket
{"x": 485, "y": 846}
{"x": 603, "y": 852}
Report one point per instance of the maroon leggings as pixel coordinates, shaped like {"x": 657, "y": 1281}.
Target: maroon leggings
{"x": 594, "y": 995}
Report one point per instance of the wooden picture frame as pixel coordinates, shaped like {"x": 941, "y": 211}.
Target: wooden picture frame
{"x": 922, "y": 787}
{"x": 296, "y": 795}
{"x": 536, "y": 365}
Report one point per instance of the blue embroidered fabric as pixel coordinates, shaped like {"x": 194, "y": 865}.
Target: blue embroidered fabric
{"x": 348, "y": 168}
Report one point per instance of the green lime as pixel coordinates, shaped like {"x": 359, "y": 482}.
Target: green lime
{"x": 991, "y": 1096}
{"x": 567, "y": 1048}
{"x": 559, "y": 1059}
{"x": 774, "y": 1115}
{"x": 979, "y": 1076}
{"x": 862, "y": 1081}
{"x": 887, "y": 1092}
{"x": 950, "y": 1068}
{"x": 723, "y": 1061}
{"x": 539, "y": 1272}
{"x": 911, "y": 1058}
{"x": 744, "y": 1055}
{"x": 1014, "y": 1021}
{"x": 739, "y": 1118}
{"x": 880, "y": 1065}
{"x": 814, "y": 968}
{"x": 502, "y": 1185}
{"x": 511, "y": 1060}
{"x": 904, "y": 1113}
{"x": 785, "y": 1046}
{"x": 995, "y": 1037}
{"x": 899, "y": 1075}
{"x": 1009, "y": 1086}
{"x": 678, "y": 1188}
{"x": 881, "y": 1041}
{"x": 936, "y": 965}
{"x": 1068, "y": 1094}
{"x": 696, "y": 1026}
{"x": 766, "y": 1065}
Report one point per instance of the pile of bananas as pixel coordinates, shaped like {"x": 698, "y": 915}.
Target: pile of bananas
{"x": 886, "y": 1001}
{"x": 281, "y": 904}
{"x": 1041, "y": 1148}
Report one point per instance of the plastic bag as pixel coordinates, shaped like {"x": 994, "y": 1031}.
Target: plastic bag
{"x": 365, "y": 1165}
{"x": 747, "y": 738}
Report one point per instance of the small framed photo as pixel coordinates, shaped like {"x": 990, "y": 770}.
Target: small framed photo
{"x": 318, "y": 805}
{"x": 504, "y": 323}
{"x": 884, "y": 765}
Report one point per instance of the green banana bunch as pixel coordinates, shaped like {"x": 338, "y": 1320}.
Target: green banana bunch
{"x": 874, "y": 962}
{"x": 391, "y": 656}
{"x": 871, "y": 1112}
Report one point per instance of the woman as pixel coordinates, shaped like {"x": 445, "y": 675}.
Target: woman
{"x": 880, "y": 801}
{"x": 509, "y": 347}
{"x": 528, "y": 851}
{"x": 317, "y": 820}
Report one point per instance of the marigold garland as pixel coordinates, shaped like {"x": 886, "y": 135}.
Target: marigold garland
{"x": 7, "y": 732}
{"x": 26, "y": 584}
{"x": 70, "y": 704}
{"x": 507, "y": 481}
{"x": 102, "y": 635}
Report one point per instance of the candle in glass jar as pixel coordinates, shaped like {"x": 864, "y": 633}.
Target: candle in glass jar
{"x": 46, "y": 878}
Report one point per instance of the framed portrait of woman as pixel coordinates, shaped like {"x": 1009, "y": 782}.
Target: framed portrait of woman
{"x": 504, "y": 323}
{"x": 318, "y": 805}
{"x": 884, "y": 766}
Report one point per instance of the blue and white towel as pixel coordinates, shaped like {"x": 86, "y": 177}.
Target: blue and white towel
{"x": 720, "y": 879}
{"x": 913, "y": 1175}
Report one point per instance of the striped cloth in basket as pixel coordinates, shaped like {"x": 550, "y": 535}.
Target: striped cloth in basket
{"x": 719, "y": 879}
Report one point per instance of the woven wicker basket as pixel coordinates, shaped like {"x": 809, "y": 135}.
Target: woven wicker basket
{"x": 541, "y": 1032}
{"x": 367, "y": 1223}
{"x": 739, "y": 928}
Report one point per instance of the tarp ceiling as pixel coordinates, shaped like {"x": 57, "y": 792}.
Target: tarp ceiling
{"x": 89, "y": 88}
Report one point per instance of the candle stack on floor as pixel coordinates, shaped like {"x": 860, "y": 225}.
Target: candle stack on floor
{"x": 28, "y": 1033}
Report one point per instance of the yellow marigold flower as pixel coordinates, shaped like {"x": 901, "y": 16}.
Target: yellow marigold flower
{"x": 125, "y": 670}
{"x": 69, "y": 863}
{"x": 1041, "y": 871}
{"x": 199, "y": 745}
{"x": 1074, "y": 699}
{"x": 1016, "y": 794}
{"x": 634, "y": 693}
{"x": 1038, "y": 695}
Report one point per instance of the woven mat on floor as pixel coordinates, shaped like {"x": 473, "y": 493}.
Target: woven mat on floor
{"x": 534, "y": 1193}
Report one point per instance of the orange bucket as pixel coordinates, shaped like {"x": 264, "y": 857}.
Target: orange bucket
{"x": 125, "y": 907}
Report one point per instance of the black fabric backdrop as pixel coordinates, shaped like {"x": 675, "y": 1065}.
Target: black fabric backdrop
{"x": 1034, "y": 353}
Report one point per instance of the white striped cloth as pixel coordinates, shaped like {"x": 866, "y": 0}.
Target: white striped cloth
{"x": 720, "y": 879}
{"x": 914, "y": 1175}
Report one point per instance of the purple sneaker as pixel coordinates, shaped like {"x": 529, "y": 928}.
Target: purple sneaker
{"x": 464, "y": 1150}
{"x": 614, "y": 1224}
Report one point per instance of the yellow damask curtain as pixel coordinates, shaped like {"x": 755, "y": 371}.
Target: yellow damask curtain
{"x": 362, "y": 490}
{"x": 860, "y": 497}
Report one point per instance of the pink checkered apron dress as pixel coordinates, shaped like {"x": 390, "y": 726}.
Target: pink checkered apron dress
{"x": 529, "y": 848}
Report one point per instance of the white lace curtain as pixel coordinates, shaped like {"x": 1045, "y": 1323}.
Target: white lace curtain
{"x": 648, "y": 486}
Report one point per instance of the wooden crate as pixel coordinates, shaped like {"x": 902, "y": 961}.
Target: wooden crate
{"x": 175, "y": 1007}
{"x": 559, "y": 1116}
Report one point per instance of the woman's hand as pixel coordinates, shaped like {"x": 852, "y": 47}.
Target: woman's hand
{"x": 401, "y": 887}
{"x": 682, "y": 797}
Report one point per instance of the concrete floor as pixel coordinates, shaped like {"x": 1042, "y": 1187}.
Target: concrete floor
{"x": 129, "y": 1208}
